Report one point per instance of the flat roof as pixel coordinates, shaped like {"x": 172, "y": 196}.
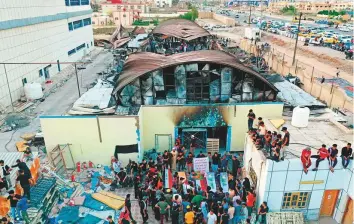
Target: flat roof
{"x": 317, "y": 132}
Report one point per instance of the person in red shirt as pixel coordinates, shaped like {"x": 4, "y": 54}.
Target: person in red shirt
{"x": 250, "y": 200}
{"x": 322, "y": 154}
{"x": 306, "y": 158}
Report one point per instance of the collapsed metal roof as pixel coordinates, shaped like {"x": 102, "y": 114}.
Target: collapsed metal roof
{"x": 139, "y": 64}
{"x": 181, "y": 28}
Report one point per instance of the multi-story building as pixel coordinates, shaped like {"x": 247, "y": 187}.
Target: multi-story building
{"x": 111, "y": 7}
{"x": 40, "y": 31}
{"x": 309, "y": 6}
{"x": 120, "y": 17}
{"x": 163, "y": 3}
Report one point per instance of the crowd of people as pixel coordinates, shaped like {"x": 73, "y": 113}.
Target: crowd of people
{"x": 277, "y": 144}
{"x": 186, "y": 201}
{"x": 18, "y": 203}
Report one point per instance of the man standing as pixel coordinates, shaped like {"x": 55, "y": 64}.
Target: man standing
{"x": 193, "y": 144}
{"x": 322, "y": 154}
{"x": 176, "y": 208}
{"x": 235, "y": 166}
{"x": 25, "y": 183}
{"x": 212, "y": 217}
{"x": 286, "y": 141}
{"x": 251, "y": 116}
{"x": 22, "y": 206}
{"x": 14, "y": 198}
{"x": 143, "y": 209}
{"x": 163, "y": 207}
{"x": 5, "y": 174}
{"x": 346, "y": 154}
{"x": 306, "y": 158}
{"x": 23, "y": 166}
{"x": 332, "y": 159}
{"x": 215, "y": 162}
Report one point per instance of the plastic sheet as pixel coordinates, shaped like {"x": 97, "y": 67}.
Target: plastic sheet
{"x": 89, "y": 219}
{"x": 69, "y": 214}
{"x": 92, "y": 203}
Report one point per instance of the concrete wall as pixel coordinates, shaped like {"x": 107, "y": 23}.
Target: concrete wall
{"x": 83, "y": 135}
{"x": 164, "y": 119}
{"x": 37, "y": 31}
{"x": 278, "y": 178}
{"x": 333, "y": 97}
{"x": 212, "y": 15}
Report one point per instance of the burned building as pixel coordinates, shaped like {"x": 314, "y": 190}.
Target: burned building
{"x": 199, "y": 77}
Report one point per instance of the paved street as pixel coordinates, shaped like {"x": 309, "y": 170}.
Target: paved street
{"x": 60, "y": 101}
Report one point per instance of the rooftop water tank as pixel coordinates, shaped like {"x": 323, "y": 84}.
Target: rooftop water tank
{"x": 33, "y": 91}
{"x": 300, "y": 117}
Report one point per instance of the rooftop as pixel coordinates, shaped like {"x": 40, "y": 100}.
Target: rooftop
{"x": 317, "y": 132}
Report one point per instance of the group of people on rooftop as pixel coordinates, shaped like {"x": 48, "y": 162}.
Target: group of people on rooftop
{"x": 276, "y": 145}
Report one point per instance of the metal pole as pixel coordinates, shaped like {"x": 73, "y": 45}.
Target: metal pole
{"x": 297, "y": 38}
{"x": 249, "y": 18}
{"x": 8, "y": 86}
{"x": 77, "y": 80}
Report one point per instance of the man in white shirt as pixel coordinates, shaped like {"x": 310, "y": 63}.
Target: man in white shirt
{"x": 212, "y": 219}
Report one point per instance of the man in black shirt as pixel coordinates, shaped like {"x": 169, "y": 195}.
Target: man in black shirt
{"x": 215, "y": 161}
{"x": 25, "y": 183}
{"x": 286, "y": 141}
{"x": 225, "y": 217}
{"x": 346, "y": 154}
{"x": 4, "y": 220}
{"x": 23, "y": 166}
{"x": 200, "y": 155}
{"x": 121, "y": 176}
{"x": 166, "y": 159}
{"x": 143, "y": 166}
{"x": 235, "y": 166}
{"x": 332, "y": 158}
{"x": 14, "y": 198}
{"x": 5, "y": 169}
{"x": 110, "y": 220}
{"x": 151, "y": 162}
{"x": 193, "y": 144}
{"x": 251, "y": 116}
{"x": 175, "y": 210}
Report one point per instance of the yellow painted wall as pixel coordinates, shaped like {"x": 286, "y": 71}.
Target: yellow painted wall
{"x": 163, "y": 119}
{"x": 83, "y": 136}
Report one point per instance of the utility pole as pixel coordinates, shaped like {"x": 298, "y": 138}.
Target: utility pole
{"x": 249, "y": 18}
{"x": 297, "y": 38}
{"x": 77, "y": 81}
{"x": 8, "y": 86}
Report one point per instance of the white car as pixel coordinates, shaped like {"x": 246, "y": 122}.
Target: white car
{"x": 346, "y": 39}
{"x": 344, "y": 29}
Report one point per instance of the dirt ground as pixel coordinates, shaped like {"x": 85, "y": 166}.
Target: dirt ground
{"x": 323, "y": 59}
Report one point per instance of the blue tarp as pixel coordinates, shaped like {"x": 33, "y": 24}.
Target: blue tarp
{"x": 89, "y": 219}
{"x": 69, "y": 214}
{"x": 92, "y": 203}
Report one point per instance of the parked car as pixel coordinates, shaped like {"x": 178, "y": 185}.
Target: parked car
{"x": 344, "y": 29}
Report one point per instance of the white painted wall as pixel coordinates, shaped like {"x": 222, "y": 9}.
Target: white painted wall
{"x": 43, "y": 42}
{"x": 276, "y": 178}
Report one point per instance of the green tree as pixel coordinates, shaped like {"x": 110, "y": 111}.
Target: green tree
{"x": 191, "y": 15}
{"x": 175, "y": 2}
{"x": 95, "y": 7}
{"x": 289, "y": 10}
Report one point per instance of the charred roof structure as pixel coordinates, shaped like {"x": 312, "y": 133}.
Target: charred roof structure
{"x": 181, "y": 29}
{"x": 188, "y": 78}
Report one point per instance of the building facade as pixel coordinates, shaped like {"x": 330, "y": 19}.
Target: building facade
{"x": 40, "y": 31}
{"x": 109, "y": 8}
{"x": 163, "y": 3}
{"x": 286, "y": 188}
{"x": 311, "y": 7}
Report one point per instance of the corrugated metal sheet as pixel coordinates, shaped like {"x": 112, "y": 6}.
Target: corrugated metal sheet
{"x": 181, "y": 28}
{"x": 139, "y": 64}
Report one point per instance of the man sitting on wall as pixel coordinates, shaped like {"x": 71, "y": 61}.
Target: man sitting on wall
{"x": 346, "y": 154}
{"x": 322, "y": 154}
{"x": 306, "y": 158}
{"x": 332, "y": 159}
